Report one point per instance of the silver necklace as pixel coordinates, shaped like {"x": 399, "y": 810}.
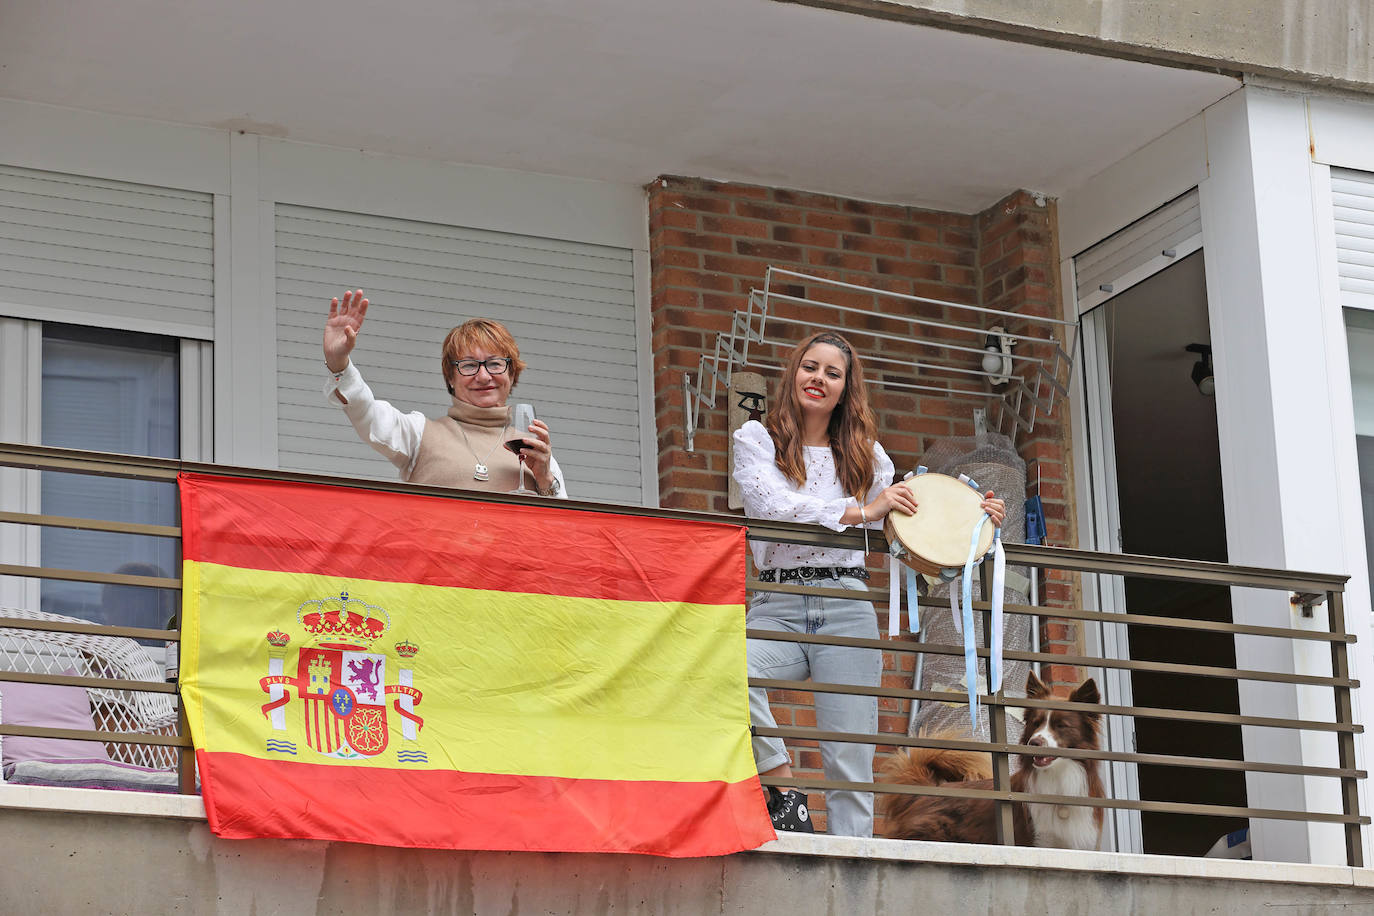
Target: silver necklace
{"x": 479, "y": 470}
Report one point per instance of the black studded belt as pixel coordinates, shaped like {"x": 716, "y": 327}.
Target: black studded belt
{"x": 812, "y": 572}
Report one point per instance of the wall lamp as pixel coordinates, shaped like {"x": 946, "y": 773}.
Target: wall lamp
{"x": 997, "y": 355}
{"x": 1202, "y": 369}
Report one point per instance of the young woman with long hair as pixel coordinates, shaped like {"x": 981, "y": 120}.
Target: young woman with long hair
{"x": 815, "y": 458}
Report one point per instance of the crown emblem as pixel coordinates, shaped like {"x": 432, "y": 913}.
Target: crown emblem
{"x": 278, "y": 638}
{"x": 343, "y": 617}
{"x": 406, "y": 649}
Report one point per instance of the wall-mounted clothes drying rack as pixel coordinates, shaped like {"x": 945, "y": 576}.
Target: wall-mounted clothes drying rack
{"x": 973, "y": 359}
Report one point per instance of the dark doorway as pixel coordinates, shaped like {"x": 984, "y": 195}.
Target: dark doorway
{"x": 1168, "y": 475}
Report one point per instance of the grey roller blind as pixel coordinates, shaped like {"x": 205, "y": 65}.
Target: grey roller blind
{"x": 108, "y": 253}
{"x": 1352, "y": 199}
{"x": 570, "y": 306}
{"x": 1108, "y": 262}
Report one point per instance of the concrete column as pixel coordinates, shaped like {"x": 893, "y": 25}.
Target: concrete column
{"x": 245, "y": 318}
{"x": 1273, "y": 413}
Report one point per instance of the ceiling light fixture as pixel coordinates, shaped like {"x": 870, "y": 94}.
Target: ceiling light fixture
{"x": 1202, "y": 369}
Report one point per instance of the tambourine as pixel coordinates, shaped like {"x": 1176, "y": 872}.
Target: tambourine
{"x": 949, "y": 534}
{"x": 936, "y": 540}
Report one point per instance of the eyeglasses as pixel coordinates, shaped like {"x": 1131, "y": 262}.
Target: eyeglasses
{"x": 495, "y": 365}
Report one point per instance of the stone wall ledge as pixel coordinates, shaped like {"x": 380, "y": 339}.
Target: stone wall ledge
{"x": 1067, "y": 860}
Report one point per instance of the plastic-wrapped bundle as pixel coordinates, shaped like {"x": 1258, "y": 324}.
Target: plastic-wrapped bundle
{"x": 991, "y": 460}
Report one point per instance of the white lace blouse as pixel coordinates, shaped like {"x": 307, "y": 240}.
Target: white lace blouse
{"x": 821, "y": 500}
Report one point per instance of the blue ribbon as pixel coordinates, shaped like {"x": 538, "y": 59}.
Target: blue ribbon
{"x": 970, "y": 638}
{"x": 995, "y": 604}
{"x": 913, "y": 600}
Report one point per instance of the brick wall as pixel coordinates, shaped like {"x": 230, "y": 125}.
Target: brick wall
{"x": 1018, "y": 262}
{"x": 711, "y": 243}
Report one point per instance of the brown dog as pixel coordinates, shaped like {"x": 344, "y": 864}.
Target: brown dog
{"x": 973, "y": 820}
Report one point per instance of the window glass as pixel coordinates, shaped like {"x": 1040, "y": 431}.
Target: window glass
{"x": 1360, "y": 341}
{"x": 116, "y": 392}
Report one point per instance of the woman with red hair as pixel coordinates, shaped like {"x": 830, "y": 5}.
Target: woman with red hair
{"x": 815, "y": 458}
{"x": 481, "y": 363}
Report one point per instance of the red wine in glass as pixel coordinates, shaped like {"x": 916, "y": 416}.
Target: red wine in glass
{"x": 521, "y": 420}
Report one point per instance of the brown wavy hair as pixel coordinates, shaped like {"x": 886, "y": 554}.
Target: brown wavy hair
{"x": 491, "y": 336}
{"x": 852, "y": 427}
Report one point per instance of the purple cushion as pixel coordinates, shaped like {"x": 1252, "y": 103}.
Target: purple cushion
{"x": 90, "y": 774}
{"x": 47, "y": 706}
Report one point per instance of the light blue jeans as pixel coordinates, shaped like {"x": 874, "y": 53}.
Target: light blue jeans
{"x": 848, "y": 813}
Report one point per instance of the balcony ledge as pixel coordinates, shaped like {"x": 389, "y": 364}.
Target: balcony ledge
{"x": 1068, "y": 860}
{"x": 192, "y": 807}
{"x": 103, "y": 801}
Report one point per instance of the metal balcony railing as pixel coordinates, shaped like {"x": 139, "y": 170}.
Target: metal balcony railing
{"x": 1312, "y": 591}
{"x": 1321, "y": 594}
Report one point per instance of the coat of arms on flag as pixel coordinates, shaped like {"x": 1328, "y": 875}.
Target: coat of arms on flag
{"x": 449, "y": 673}
{"x": 340, "y": 684}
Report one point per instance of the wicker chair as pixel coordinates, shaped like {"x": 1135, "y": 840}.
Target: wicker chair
{"x": 115, "y": 710}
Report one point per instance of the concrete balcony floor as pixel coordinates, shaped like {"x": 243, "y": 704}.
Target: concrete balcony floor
{"x": 67, "y": 854}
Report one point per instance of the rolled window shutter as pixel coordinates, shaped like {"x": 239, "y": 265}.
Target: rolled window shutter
{"x": 1352, "y": 199}
{"x": 569, "y": 305}
{"x": 1113, "y": 259}
{"x": 107, "y": 253}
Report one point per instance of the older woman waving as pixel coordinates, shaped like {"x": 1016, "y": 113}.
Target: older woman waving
{"x": 481, "y": 363}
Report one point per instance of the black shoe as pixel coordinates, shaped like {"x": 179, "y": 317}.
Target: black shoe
{"x": 788, "y": 811}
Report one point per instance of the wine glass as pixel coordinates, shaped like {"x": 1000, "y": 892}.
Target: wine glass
{"x": 521, "y": 420}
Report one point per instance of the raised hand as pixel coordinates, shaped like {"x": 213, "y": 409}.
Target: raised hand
{"x": 342, "y": 327}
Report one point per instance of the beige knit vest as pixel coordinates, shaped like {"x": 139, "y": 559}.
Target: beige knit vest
{"x": 447, "y": 459}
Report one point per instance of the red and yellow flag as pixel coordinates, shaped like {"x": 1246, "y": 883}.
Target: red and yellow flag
{"x": 420, "y": 671}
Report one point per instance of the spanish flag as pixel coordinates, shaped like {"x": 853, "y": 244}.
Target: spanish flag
{"x": 420, "y": 671}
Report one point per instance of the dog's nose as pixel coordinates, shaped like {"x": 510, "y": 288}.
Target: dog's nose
{"x": 1036, "y": 741}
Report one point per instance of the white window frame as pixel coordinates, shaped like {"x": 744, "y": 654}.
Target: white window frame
{"x": 21, "y": 370}
{"x": 1103, "y": 515}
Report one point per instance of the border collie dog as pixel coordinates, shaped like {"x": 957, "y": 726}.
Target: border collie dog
{"x": 973, "y": 820}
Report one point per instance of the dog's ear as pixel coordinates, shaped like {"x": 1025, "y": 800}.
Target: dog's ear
{"x": 1035, "y": 688}
{"x": 1086, "y": 692}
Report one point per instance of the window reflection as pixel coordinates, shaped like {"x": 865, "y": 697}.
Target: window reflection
{"x": 112, "y": 391}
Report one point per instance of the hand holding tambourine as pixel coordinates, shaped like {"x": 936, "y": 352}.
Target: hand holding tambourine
{"x": 939, "y": 533}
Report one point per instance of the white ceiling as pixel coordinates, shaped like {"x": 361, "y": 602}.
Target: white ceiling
{"x": 618, "y": 90}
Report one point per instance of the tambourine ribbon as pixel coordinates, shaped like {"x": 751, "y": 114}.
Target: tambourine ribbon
{"x": 999, "y": 571}
{"x": 897, "y": 572}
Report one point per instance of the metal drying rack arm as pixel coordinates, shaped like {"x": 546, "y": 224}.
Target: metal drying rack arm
{"x": 749, "y": 330}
